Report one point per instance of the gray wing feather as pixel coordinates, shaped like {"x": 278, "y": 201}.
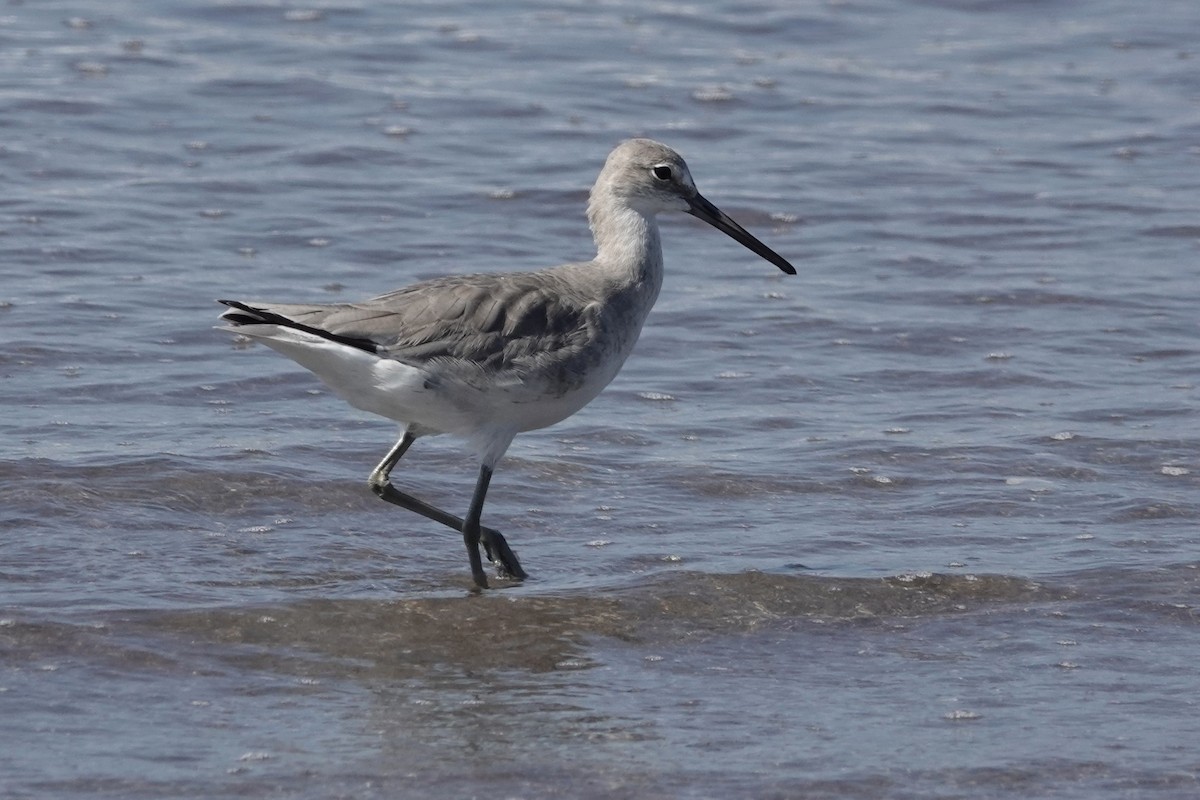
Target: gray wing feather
{"x": 495, "y": 322}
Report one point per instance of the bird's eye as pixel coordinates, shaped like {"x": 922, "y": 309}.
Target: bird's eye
{"x": 662, "y": 172}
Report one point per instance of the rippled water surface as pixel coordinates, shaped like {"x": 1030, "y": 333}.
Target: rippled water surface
{"x": 920, "y": 522}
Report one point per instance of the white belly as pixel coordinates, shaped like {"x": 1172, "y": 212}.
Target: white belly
{"x": 439, "y": 399}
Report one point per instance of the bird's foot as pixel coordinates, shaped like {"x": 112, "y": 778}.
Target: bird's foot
{"x": 500, "y": 554}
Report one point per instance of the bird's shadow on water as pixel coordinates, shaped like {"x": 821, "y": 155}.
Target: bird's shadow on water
{"x": 524, "y": 631}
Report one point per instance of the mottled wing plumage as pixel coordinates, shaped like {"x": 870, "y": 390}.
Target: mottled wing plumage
{"x": 490, "y": 322}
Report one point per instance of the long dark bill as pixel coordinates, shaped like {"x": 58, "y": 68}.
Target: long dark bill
{"x": 702, "y": 209}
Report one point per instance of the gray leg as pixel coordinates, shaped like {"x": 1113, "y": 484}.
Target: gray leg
{"x": 497, "y": 548}
{"x": 470, "y": 528}
{"x": 381, "y": 485}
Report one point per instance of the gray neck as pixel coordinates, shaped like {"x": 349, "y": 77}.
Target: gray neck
{"x": 627, "y": 244}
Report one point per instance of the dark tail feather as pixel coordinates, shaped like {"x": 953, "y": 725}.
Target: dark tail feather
{"x": 249, "y": 315}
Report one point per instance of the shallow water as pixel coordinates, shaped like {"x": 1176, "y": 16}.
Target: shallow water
{"x": 918, "y": 522}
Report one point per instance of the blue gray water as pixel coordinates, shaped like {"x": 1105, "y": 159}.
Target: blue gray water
{"x": 920, "y": 522}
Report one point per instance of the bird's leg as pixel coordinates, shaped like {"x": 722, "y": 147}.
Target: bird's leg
{"x": 381, "y": 484}
{"x": 497, "y": 548}
{"x": 470, "y": 528}
{"x": 500, "y": 554}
